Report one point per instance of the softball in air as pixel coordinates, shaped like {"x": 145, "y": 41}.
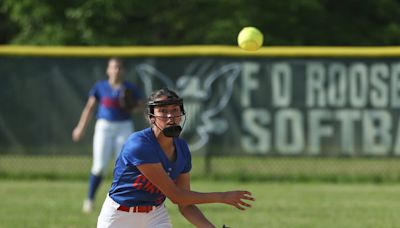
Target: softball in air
{"x": 250, "y": 39}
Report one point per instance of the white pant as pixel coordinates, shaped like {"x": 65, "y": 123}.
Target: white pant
{"x": 108, "y": 138}
{"x": 110, "y": 217}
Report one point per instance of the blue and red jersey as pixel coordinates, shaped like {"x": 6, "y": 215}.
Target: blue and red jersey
{"x": 109, "y": 102}
{"x": 130, "y": 187}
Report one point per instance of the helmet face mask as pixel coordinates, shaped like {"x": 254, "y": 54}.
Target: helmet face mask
{"x": 169, "y": 131}
{"x": 172, "y": 131}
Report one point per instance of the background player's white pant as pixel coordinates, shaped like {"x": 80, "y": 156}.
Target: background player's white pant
{"x": 109, "y": 136}
{"x": 110, "y": 217}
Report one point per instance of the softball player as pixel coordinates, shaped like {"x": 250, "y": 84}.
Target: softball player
{"x": 113, "y": 125}
{"x": 154, "y": 164}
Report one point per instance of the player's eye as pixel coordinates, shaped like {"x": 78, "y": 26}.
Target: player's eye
{"x": 173, "y": 112}
{"x": 176, "y": 111}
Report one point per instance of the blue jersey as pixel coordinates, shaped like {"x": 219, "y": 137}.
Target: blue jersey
{"x": 108, "y": 99}
{"x": 130, "y": 187}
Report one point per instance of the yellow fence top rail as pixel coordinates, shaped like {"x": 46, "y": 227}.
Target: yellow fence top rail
{"x": 198, "y": 50}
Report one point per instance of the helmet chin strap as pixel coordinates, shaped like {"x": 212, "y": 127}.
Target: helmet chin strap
{"x": 170, "y": 131}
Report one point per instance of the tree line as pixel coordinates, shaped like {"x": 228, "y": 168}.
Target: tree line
{"x": 199, "y": 22}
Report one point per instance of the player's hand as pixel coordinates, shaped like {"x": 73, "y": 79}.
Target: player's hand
{"x": 77, "y": 134}
{"x": 236, "y": 199}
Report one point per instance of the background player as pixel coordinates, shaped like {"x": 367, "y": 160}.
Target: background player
{"x": 114, "y": 123}
{"x": 154, "y": 164}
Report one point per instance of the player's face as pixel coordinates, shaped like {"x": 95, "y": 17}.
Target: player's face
{"x": 168, "y": 115}
{"x": 114, "y": 69}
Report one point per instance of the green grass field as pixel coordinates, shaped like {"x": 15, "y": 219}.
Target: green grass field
{"x": 47, "y": 191}
{"x": 57, "y": 203}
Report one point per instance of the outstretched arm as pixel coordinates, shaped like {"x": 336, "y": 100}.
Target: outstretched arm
{"x": 79, "y": 130}
{"x": 191, "y": 212}
{"x": 156, "y": 174}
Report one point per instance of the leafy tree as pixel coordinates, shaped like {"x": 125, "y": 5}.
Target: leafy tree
{"x": 181, "y": 22}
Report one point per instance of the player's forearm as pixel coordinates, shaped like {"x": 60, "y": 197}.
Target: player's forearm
{"x": 85, "y": 118}
{"x": 195, "y": 216}
{"x": 186, "y": 197}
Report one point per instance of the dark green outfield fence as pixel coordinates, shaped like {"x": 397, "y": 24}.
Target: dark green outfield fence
{"x": 273, "y": 113}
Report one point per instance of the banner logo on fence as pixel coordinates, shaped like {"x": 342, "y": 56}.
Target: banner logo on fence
{"x": 202, "y": 103}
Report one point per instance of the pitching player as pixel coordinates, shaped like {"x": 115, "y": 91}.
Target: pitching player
{"x": 154, "y": 164}
{"x": 113, "y": 125}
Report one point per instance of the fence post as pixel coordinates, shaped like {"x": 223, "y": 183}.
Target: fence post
{"x": 207, "y": 163}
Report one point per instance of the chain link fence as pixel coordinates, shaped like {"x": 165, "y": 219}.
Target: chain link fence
{"x": 239, "y": 168}
{"x": 238, "y": 125}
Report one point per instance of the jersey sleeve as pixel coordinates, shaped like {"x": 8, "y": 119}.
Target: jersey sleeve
{"x": 94, "y": 91}
{"x": 134, "y": 154}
